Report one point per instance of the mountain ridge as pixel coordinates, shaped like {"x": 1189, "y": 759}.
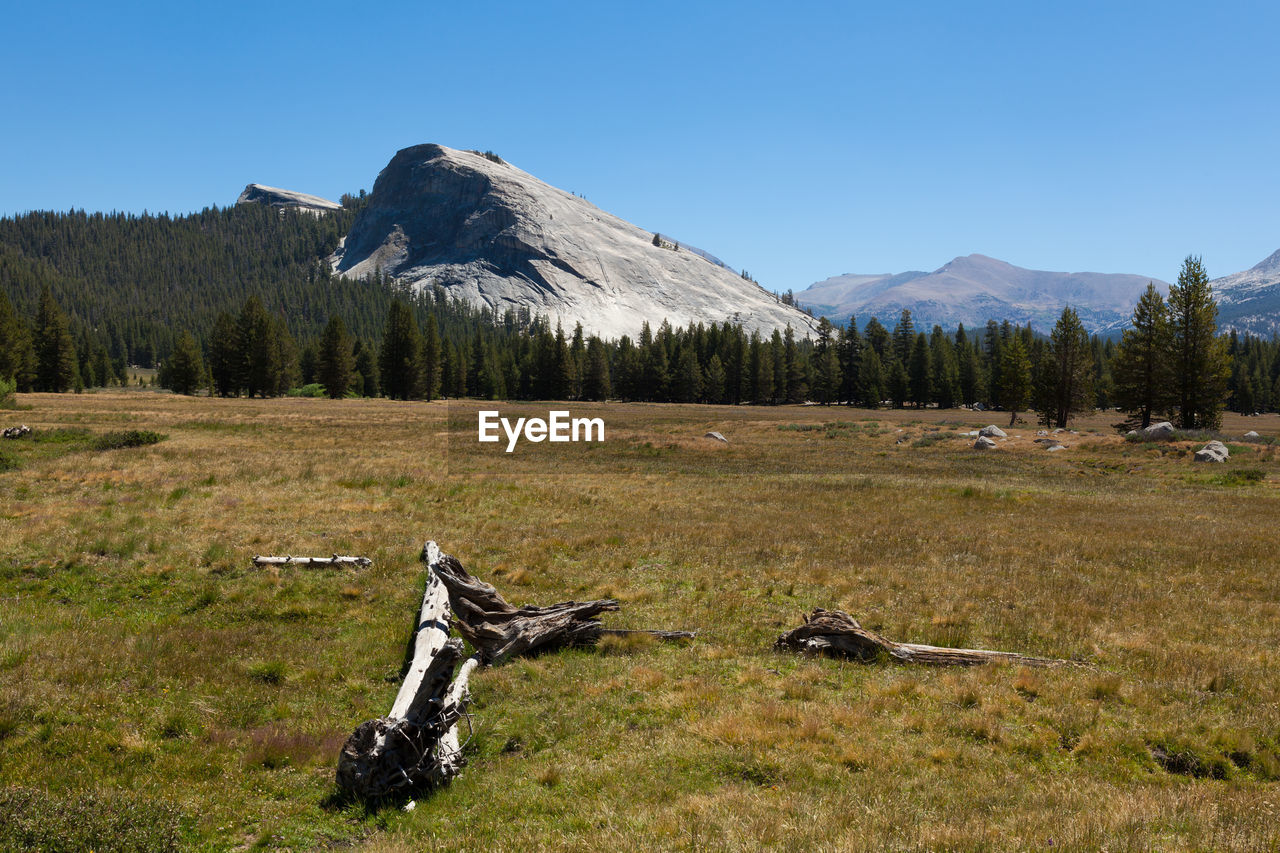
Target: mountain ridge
{"x": 495, "y": 235}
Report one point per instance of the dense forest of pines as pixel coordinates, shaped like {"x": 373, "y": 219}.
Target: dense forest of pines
{"x": 239, "y": 301}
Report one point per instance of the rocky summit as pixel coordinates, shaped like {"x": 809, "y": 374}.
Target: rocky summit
{"x": 495, "y": 235}
{"x": 276, "y": 197}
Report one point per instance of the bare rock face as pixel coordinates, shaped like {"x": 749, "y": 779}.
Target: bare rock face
{"x": 984, "y": 443}
{"x": 276, "y": 197}
{"x": 494, "y": 235}
{"x": 1160, "y": 430}
{"x": 992, "y": 431}
{"x": 1214, "y": 451}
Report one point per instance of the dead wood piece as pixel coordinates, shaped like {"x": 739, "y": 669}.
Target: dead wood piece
{"x": 17, "y": 431}
{"x": 837, "y": 634}
{"x": 416, "y": 744}
{"x": 500, "y": 630}
{"x": 335, "y": 560}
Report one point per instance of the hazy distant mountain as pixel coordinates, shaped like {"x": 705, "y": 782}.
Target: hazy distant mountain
{"x": 495, "y": 235}
{"x": 974, "y": 289}
{"x": 1249, "y": 301}
{"x": 276, "y": 197}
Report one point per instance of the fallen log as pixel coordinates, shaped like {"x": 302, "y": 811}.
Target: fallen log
{"x": 837, "y": 634}
{"x": 17, "y": 431}
{"x": 416, "y": 745}
{"x": 499, "y": 630}
{"x": 335, "y": 560}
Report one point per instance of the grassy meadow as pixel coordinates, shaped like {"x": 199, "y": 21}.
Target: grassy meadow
{"x": 156, "y": 688}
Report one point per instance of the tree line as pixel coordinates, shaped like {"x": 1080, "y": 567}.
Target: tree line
{"x": 428, "y": 345}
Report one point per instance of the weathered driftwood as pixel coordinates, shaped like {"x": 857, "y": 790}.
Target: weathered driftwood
{"x": 335, "y": 560}
{"x": 836, "y": 633}
{"x": 498, "y": 630}
{"x": 17, "y": 431}
{"x": 416, "y": 744}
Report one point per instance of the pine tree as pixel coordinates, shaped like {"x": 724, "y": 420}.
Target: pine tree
{"x": 259, "y": 353}
{"x": 1015, "y": 377}
{"x": 826, "y": 364}
{"x": 688, "y": 379}
{"x": 898, "y": 385}
{"x": 1201, "y": 364}
{"x": 431, "y": 359}
{"x": 17, "y": 358}
{"x": 183, "y": 371}
{"x": 1066, "y": 380}
{"x": 713, "y": 386}
{"x": 1142, "y": 369}
{"x": 919, "y": 374}
{"x": 56, "y": 362}
{"x": 367, "y": 369}
{"x": 904, "y": 337}
{"x": 225, "y": 357}
{"x": 870, "y": 389}
{"x": 335, "y": 361}
{"x": 797, "y": 390}
{"x": 596, "y": 384}
{"x": 398, "y": 359}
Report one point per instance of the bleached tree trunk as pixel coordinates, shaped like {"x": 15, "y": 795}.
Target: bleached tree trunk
{"x": 335, "y": 560}
{"x": 416, "y": 744}
{"x": 836, "y": 633}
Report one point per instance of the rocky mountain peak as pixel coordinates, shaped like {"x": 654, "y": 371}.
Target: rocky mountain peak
{"x": 276, "y": 197}
{"x": 495, "y": 235}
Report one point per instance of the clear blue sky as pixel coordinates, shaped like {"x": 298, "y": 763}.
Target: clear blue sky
{"x": 797, "y": 140}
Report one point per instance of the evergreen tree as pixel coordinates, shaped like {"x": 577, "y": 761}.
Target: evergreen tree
{"x": 225, "y": 357}
{"x": 904, "y": 337}
{"x": 1142, "y": 369}
{"x": 899, "y": 385}
{"x": 398, "y": 359}
{"x": 335, "y": 360}
{"x": 17, "y": 358}
{"x": 367, "y": 369}
{"x": 1066, "y": 381}
{"x": 870, "y": 390}
{"x": 919, "y": 374}
{"x": 1015, "y": 377}
{"x": 826, "y": 364}
{"x": 259, "y": 364}
{"x": 596, "y": 384}
{"x": 56, "y": 362}
{"x": 1201, "y": 363}
{"x": 183, "y": 371}
{"x": 688, "y": 380}
{"x": 797, "y": 390}
{"x": 878, "y": 339}
{"x": 432, "y": 368}
{"x": 713, "y": 386}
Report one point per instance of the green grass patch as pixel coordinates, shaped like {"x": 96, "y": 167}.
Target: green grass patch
{"x": 127, "y": 438}
{"x": 117, "y": 822}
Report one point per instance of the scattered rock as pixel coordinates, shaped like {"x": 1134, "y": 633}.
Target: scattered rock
{"x": 1214, "y": 451}
{"x": 1252, "y": 435}
{"x": 984, "y": 443}
{"x": 1164, "y": 429}
{"x": 1054, "y": 448}
{"x": 1042, "y": 432}
{"x": 1058, "y": 430}
{"x": 717, "y": 436}
{"x": 17, "y": 431}
{"x": 992, "y": 431}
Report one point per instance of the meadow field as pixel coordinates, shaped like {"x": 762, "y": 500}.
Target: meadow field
{"x": 158, "y": 690}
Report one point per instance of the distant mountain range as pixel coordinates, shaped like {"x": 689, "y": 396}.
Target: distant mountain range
{"x": 1249, "y": 301}
{"x": 975, "y": 288}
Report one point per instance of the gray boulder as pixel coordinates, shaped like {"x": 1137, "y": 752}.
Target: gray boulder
{"x": 1251, "y": 435}
{"x": 717, "y": 436}
{"x": 1214, "y": 451}
{"x": 984, "y": 443}
{"x": 992, "y": 431}
{"x": 1054, "y": 448}
{"x": 1164, "y": 429}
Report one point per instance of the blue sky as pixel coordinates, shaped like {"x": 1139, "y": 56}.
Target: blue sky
{"x": 798, "y": 140}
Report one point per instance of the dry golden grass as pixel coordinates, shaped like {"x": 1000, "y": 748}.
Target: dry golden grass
{"x": 139, "y": 650}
